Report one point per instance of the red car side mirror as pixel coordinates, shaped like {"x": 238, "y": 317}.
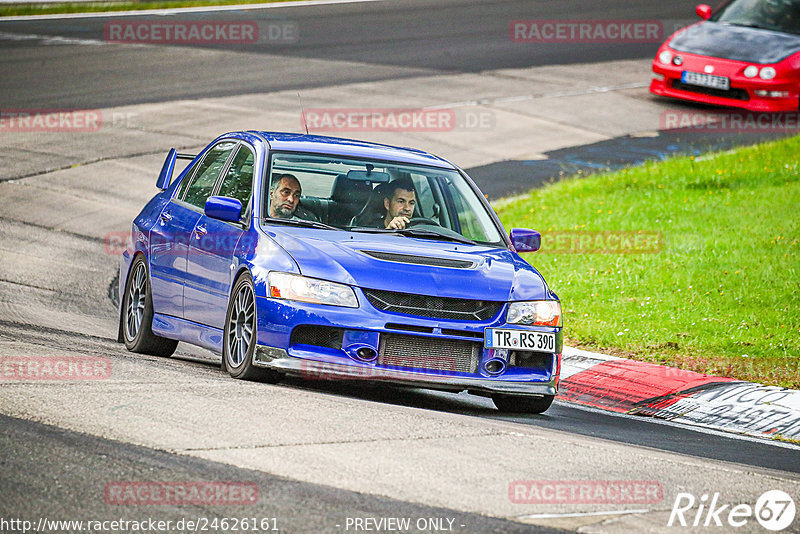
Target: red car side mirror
{"x": 703, "y": 11}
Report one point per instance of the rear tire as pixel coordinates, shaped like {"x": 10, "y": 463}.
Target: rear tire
{"x": 137, "y": 314}
{"x": 522, "y": 404}
{"x": 239, "y": 340}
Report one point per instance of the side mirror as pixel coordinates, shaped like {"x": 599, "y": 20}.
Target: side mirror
{"x": 703, "y": 11}
{"x": 524, "y": 240}
{"x": 165, "y": 176}
{"x": 224, "y": 208}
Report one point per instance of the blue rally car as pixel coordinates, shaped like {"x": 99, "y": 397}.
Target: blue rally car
{"x": 336, "y": 259}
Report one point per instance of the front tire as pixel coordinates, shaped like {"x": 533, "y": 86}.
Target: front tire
{"x": 521, "y": 404}
{"x": 137, "y": 314}
{"x": 239, "y": 341}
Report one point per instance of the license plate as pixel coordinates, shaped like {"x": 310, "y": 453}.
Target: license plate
{"x": 706, "y": 80}
{"x": 501, "y": 338}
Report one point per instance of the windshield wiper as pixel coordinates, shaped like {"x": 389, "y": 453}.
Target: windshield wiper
{"x": 749, "y": 25}
{"x": 299, "y": 222}
{"x": 430, "y": 234}
{"x": 369, "y": 230}
{"x": 773, "y": 28}
{"x": 413, "y": 232}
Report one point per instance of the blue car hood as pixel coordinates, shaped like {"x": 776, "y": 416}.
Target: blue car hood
{"x": 738, "y": 43}
{"x": 496, "y": 274}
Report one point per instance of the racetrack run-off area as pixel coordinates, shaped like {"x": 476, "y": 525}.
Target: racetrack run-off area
{"x": 641, "y": 388}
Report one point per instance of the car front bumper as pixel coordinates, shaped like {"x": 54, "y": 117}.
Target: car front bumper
{"x": 277, "y": 359}
{"x": 406, "y": 350}
{"x": 745, "y": 93}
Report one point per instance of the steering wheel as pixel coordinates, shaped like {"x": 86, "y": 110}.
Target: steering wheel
{"x": 416, "y": 221}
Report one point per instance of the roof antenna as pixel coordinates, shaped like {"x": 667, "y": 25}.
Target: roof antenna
{"x": 302, "y": 112}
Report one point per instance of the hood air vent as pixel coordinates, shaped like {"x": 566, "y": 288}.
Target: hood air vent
{"x": 420, "y": 260}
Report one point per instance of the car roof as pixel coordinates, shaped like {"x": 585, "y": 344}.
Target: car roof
{"x": 320, "y": 144}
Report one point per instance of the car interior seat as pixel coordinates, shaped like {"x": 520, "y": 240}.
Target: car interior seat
{"x": 348, "y": 196}
{"x": 374, "y": 209}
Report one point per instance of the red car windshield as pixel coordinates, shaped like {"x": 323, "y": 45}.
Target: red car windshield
{"x": 774, "y": 15}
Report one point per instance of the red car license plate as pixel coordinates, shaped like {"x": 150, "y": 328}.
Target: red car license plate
{"x": 706, "y": 80}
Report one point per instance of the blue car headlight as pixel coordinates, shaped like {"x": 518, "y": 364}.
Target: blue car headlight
{"x": 535, "y": 313}
{"x": 304, "y": 289}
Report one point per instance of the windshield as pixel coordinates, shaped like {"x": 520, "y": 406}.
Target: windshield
{"x": 776, "y": 15}
{"x": 366, "y": 196}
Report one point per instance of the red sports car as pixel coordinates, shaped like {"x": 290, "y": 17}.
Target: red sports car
{"x": 746, "y": 54}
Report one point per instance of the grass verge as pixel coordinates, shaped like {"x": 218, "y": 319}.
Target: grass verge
{"x": 722, "y": 296}
{"x": 34, "y": 8}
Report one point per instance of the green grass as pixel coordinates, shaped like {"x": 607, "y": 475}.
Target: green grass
{"x": 722, "y": 296}
{"x": 34, "y": 8}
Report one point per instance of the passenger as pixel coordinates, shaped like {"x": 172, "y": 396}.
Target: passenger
{"x": 285, "y": 199}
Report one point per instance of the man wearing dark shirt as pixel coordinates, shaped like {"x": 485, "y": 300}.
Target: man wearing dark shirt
{"x": 285, "y": 199}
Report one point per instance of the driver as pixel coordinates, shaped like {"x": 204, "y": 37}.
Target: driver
{"x": 400, "y": 204}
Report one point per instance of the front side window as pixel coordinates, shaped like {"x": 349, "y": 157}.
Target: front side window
{"x": 357, "y": 195}
{"x": 238, "y": 181}
{"x": 207, "y": 173}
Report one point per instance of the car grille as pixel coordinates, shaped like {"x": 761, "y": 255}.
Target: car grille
{"x": 319, "y": 336}
{"x": 429, "y": 353}
{"x": 736, "y": 94}
{"x": 531, "y": 360}
{"x": 429, "y": 330}
{"x": 433, "y": 307}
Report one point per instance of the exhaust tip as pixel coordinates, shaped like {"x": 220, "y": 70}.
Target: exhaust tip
{"x": 361, "y": 352}
{"x": 495, "y": 366}
{"x": 366, "y": 354}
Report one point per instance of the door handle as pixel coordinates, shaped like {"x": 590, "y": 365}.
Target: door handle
{"x": 201, "y": 231}
{"x": 166, "y": 217}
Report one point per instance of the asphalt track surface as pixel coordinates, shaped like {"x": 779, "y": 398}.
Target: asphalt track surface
{"x": 70, "y": 484}
{"x": 344, "y": 44}
{"x": 48, "y": 468}
{"x": 351, "y": 42}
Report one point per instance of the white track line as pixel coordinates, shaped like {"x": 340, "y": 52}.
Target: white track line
{"x": 582, "y": 514}
{"x": 179, "y": 10}
{"x": 49, "y": 39}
